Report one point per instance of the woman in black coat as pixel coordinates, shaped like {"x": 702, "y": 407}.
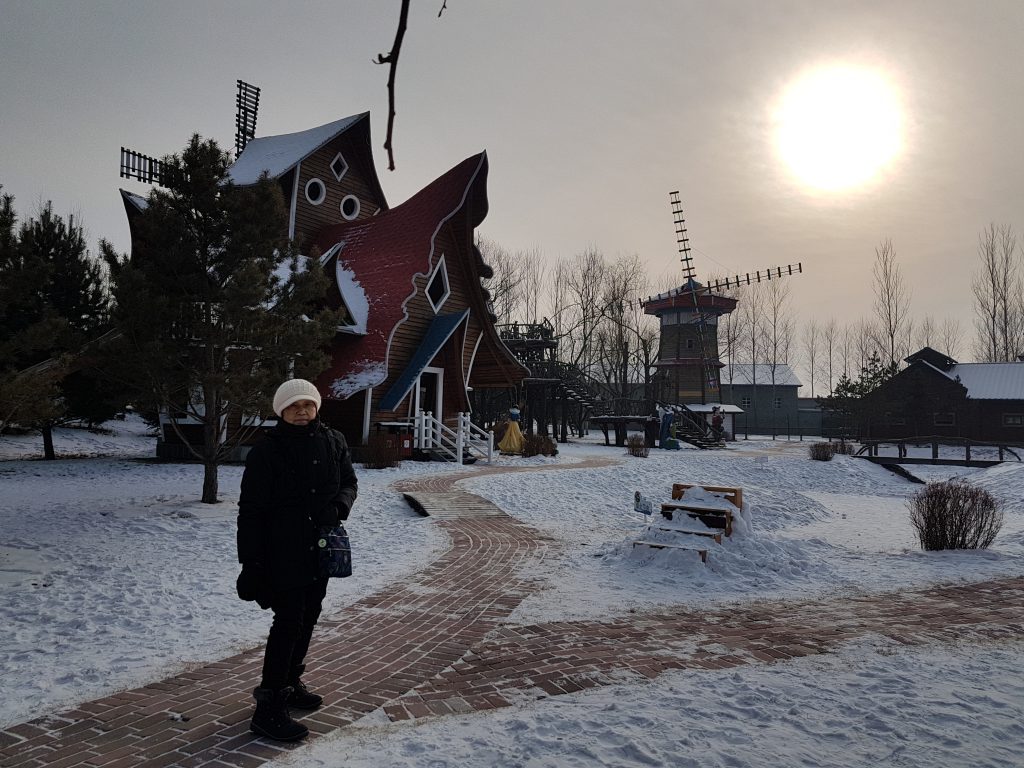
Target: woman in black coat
{"x": 297, "y": 480}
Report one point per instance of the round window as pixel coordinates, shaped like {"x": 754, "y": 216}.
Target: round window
{"x": 350, "y": 207}
{"x": 315, "y": 191}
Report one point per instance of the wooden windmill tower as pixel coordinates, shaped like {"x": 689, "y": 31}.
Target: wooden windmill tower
{"x": 135, "y": 165}
{"x": 688, "y": 363}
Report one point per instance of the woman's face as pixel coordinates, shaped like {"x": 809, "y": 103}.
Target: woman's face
{"x": 300, "y": 412}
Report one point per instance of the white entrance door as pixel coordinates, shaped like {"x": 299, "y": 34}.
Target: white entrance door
{"x": 429, "y": 391}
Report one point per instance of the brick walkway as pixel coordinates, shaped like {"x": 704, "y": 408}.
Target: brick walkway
{"x": 441, "y": 645}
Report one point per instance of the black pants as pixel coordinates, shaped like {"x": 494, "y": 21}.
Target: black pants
{"x": 295, "y": 614}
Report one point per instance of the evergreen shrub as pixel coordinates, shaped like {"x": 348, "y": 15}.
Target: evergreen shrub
{"x": 955, "y": 515}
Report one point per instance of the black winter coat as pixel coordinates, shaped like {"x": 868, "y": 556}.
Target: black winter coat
{"x": 298, "y": 479}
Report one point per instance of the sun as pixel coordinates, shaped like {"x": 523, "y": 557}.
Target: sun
{"x": 838, "y": 127}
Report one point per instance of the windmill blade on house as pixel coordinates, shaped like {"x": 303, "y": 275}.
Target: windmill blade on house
{"x": 247, "y": 104}
{"x": 135, "y": 165}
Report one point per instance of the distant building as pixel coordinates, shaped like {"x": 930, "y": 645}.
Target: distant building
{"x": 767, "y": 395}
{"x": 936, "y": 397}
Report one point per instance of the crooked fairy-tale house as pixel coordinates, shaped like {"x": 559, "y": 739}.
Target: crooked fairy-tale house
{"x": 420, "y": 331}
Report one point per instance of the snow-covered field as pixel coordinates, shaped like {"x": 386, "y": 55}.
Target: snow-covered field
{"x": 113, "y": 575}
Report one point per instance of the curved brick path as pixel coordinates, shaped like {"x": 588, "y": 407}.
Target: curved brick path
{"x": 440, "y": 645}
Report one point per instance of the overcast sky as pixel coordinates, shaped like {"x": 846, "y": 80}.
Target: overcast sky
{"x": 591, "y": 112}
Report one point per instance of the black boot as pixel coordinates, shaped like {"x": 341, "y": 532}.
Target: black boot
{"x": 301, "y": 697}
{"x": 271, "y": 718}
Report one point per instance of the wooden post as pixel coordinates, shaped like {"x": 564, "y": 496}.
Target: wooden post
{"x": 935, "y": 450}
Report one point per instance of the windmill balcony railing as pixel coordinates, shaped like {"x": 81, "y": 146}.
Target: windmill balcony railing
{"x": 542, "y": 331}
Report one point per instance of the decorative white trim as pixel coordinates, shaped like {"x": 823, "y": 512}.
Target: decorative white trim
{"x": 341, "y": 208}
{"x": 366, "y": 414}
{"x": 472, "y": 358}
{"x": 315, "y": 180}
{"x": 344, "y": 166}
{"x": 440, "y": 271}
{"x": 295, "y": 197}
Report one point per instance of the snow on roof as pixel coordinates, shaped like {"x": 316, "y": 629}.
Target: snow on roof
{"x": 354, "y": 296}
{"x": 991, "y": 381}
{"x": 760, "y": 373}
{"x": 707, "y": 407}
{"x": 277, "y": 154}
{"x": 362, "y": 374}
{"x": 139, "y": 202}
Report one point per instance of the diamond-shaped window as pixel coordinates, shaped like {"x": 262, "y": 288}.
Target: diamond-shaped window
{"x": 339, "y": 167}
{"x": 438, "y": 289}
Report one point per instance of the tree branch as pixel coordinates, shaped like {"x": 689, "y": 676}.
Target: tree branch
{"x": 391, "y": 59}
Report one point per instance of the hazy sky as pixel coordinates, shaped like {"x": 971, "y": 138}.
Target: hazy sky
{"x": 591, "y": 112}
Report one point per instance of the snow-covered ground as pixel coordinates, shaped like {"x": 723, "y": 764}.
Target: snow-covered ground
{"x": 112, "y": 575}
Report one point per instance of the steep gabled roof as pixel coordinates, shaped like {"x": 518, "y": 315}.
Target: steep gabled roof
{"x": 276, "y": 155}
{"x": 385, "y": 254}
{"x": 941, "y": 361}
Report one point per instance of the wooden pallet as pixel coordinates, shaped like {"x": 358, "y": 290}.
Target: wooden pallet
{"x": 705, "y": 532}
{"x": 709, "y": 516}
{"x": 733, "y": 495}
{"x": 718, "y": 516}
{"x": 703, "y": 552}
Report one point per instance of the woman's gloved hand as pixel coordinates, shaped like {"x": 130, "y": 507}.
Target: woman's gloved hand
{"x": 253, "y": 584}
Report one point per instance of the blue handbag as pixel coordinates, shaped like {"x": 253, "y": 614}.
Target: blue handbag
{"x": 334, "y": 552}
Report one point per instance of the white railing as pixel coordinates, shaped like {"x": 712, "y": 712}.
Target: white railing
{"x": 467, "y": 438}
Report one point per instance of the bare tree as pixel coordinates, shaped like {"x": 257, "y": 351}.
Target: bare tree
{"x": 628, "y": 336}
{"x": 998, "y": 296}
{"x": 892, "y": 300}
{"x": 506, "y": 285}
{"x": 779, "y": 330}
{"x": 846, "y": 347}
{"x": 583, "y": 279}
{"x": 812, "y": 339}
{"x": 867, "y": 341}
{"x": 830, "y": 340}
{"x": 534, "y": 272}
{"x": 949, "y": 337}
{"x": 927, "y": 333}
{"x": 730, "y": 336}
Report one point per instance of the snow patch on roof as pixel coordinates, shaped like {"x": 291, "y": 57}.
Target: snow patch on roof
{"x": 354, "y": 296}
{"x": 761, "y": 373}
{"x": 365, "y": 373}
{"x": 991, "y": 381}
{"x": 275, "y": 155}
{"x": 137, "y": 200}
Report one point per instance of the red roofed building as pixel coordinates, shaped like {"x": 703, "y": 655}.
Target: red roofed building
{"x": 420, "y": 331}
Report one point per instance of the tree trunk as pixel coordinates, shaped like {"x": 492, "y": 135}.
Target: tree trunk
{"x": 48, "y": 452}
{"x": 209, "y": 482}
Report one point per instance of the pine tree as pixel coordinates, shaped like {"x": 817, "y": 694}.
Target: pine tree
{"x": 213, "y": 307}
{"x": 29, "y": 392}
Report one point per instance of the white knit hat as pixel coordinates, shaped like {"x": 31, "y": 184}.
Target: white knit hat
{"x": 292, "y": 391}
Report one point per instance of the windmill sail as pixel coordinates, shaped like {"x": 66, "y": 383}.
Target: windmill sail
{"x": 247, "y": 104}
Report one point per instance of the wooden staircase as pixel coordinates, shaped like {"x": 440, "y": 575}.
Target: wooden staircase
{"x": 691, "y": 428}
{"x": 694, "y": 524}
